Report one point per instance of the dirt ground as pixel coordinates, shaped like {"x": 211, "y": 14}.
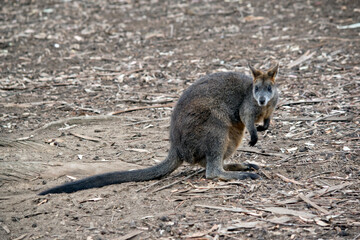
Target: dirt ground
{"x": 88, "y": 87}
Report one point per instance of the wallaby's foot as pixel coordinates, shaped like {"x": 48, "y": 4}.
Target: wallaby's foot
{"x": 232, "y": 175}
{"x": 252, "y": 142}
{"x": 240, "y": 167}
{"x": 215, "y": 169}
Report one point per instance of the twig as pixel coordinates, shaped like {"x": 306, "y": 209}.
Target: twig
{"x": 134, "y": 71}
{"x": 286, "y": 211}
{"x": 284, "y": 218}
{"x": 141, "y": 108}
{"x": 19, "y": 143}
{"x": 285, "y": 179}
{"x": 130, "y": 235}
{"x": 339, "y": 178}
{"x": 328, "y": 118}
{"x": 146, "y": 121}
{"x": 304, "y": 102}
{"x": 333, "y": 38}
{"x": 251, "y": 150}
{"x": 323, "y": 118}
{"x": 357, "y": 237}
{"x": 22, "y": 236}
{"x": 265, "y": 173}
{"x": 72, "y": 106}
{"x": 106, "y": 70}
{"x": 314, "y": 205}
{"x": 292, "y": 135}
{"x": 317, "y": 193}
{"x": 319, "y": 174}
{"x": 79, "y": 119}
{"x": 237, "y": 210}
{"x": 119, "y": 71}
{"x": 26, "y": 105}
{"x": 176, "y": 182}
{"x": 107, "y": 117}
{"x": 151, "y": 185}
{"x": 85, "y": 137}
{"x": 146, "y": 101}
{"x": 307, "y": 55}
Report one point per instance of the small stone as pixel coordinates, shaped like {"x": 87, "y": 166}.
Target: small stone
{"x": 164, "y": 218}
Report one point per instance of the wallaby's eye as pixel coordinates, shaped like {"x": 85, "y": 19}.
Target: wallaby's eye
{"x": 269, "y": 88}
{"x": 256, "y": 88}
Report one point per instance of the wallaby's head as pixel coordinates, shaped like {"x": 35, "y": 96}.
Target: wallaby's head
{"x": 264, "y": 84}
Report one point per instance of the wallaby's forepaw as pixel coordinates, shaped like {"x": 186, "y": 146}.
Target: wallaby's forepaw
{"x": 261, "y": 128}
{"x": 252, "y": 142}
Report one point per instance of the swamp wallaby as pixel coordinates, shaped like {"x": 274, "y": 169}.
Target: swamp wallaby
{"x": 207, "y": 126}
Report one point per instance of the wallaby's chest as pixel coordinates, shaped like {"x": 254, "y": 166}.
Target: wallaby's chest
{"x": 264, "y": 113}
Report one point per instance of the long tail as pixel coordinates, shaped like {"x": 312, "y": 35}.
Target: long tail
{"x": 164, "y": 168}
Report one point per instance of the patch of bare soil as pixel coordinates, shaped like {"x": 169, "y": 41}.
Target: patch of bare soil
{"x": 63, "y": 60}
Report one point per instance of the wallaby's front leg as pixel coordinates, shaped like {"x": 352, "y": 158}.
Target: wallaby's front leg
{"x": 250, "y": 125}
{"x": 265, "y": 126}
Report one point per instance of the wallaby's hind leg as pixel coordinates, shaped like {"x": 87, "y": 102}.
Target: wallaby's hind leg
{"x": 214, "y": 170}
{"x": 240, "y": 167}
{"x": 214, "y": 164}
{"x": 235, "y": 135}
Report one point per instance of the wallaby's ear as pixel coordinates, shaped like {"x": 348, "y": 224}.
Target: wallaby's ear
{"x": 273, "y": 71}
{"x": 254, "y": 71}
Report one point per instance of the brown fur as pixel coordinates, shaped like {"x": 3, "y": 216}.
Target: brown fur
{"x": 234, "y": 138}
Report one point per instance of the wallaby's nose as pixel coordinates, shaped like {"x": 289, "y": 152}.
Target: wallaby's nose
{"x": 262, "y": 100}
